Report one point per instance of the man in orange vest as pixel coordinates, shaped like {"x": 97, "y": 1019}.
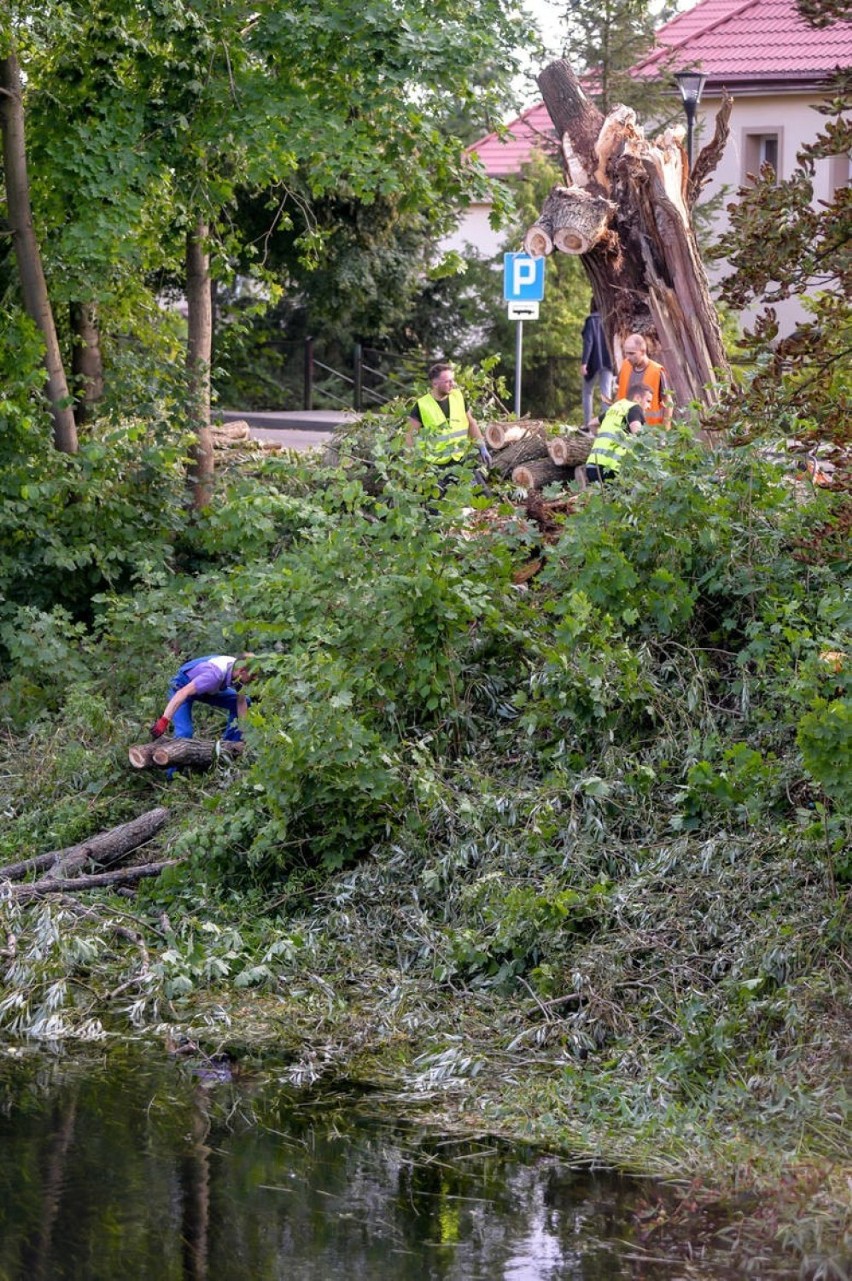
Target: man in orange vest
{"x": 638, "y": 364}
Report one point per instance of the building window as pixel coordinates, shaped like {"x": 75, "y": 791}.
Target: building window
{"x": 761, "y": 149}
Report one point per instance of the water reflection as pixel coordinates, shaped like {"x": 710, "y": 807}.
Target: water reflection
{"x": 136, "y": 1171}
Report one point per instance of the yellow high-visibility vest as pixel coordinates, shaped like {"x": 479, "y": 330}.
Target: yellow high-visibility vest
{"x": 441, "y": 439}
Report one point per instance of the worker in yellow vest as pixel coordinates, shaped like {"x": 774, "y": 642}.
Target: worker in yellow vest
{"x": 441, "y": 427}
{"x": 623, "y": 419}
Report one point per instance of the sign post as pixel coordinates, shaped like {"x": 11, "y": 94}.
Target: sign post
{"x": 523, "y": 290}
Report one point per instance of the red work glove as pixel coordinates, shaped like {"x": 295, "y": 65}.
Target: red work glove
{"x": 159, "y": 727}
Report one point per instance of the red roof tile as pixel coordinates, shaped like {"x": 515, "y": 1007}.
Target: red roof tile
{"x": 504, "y": 153}
{"x": 734, "y": 42}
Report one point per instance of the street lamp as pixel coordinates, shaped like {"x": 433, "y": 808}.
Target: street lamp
{"x": 691, "y": 85}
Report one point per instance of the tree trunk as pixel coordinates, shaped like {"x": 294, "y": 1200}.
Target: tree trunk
{"x": 643, "y": 264}
{"x": 107, "y": 847}
{"x": 103, "y": 848}
{"x": 199, "y": 350}
{"x": 539, "y": 472}
{"x": 86, "y": 360}
{"x": 193, "y": 751}
{"x": 122, "y": 876}
{"x": 27, "y": 254}
{"x": 570, "y": 451}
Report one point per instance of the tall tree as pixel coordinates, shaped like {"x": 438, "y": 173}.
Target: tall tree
{"x": 27, "y": 253}
{"x": 603, "y": 42}
{"x": 223, "y": 96}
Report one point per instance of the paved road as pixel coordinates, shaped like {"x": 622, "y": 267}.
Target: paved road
{"x": 296, "y": 429}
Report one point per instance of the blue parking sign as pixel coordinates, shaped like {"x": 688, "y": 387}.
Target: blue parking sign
{"x": 523, "y": 278}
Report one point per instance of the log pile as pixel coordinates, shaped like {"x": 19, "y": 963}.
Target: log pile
{"x": 525, "y": 453}
{"x": 227, "y": 435}
{"x": 93, "y": 863}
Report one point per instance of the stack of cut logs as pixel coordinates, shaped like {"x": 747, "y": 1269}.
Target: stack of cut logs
{"x": 227, "y": 435}
{"x": 195, "y": 752}
{"x": 524, "y": 452}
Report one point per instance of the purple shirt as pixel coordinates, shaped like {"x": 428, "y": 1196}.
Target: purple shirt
{"x": 214, "y": 675}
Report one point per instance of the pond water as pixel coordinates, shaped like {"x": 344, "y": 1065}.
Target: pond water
{"x": 128, "y": 1169}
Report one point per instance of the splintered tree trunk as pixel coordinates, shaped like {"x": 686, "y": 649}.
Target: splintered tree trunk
{"x": 27, "y": 253}
{"x": 199, "y": 352}
{"x": 625, "y": 208}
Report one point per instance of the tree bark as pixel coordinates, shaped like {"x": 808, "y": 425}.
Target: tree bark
{"x": 27, "y": 254}
{"x": 196, "y": 752}
{"x": 199, "y": 350}
{"x": 122, "y": 876}
{"x": 86, "y": 359}
{"x": 644, "y": 267}
{"x": 106, "y": 848}
{"x": 101, "y": 847}
{"x": 570, "y": 451}
{"x": 539, "y": 472}
{"x": 533, "y": 444}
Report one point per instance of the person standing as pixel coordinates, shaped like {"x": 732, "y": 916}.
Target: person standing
{"x": 638, "y": 364}
{"x": 217, "y": 680}
{"x": 595, "y": 363}
{"x": 440, "y": 426}
{"x": 623, "y": 419}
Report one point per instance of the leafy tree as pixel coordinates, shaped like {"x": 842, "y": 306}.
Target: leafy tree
{"x": 783, "y": 245}
{"x": 603, "y": 42}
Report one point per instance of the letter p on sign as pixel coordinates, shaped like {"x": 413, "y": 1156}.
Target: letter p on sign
{"x": 523, "y": 278}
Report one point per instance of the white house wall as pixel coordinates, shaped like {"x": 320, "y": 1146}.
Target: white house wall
{"x": 793, "y": 120}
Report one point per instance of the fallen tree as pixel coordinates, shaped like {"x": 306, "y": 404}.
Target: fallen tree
{"x": 626, "y": 208}
{"x": 103, "y": 850}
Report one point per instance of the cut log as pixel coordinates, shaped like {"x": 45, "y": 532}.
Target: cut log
{"x": 569, "y": 451}
{"x": 573, "y": 218}
{"x": 533, "y": 444}
{"x": 122, "y": 876}
{"x": 103, "y": 848}
{"x": 642, "y": 259}
{"x": 197, "y": 752}
{"x": 106, "y": 848}
{"x": 499, "y": 435}
{"x": 141, "y": 755}
{"x": 540, "y": 472}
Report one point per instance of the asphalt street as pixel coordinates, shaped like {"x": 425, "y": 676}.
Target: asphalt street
{"x": 295, "y": 429}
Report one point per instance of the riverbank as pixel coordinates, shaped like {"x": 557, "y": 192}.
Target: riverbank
{"x": 558, "y": 854}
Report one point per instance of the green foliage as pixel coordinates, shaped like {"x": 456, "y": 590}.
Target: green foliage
{"x": 70, "y": 526}
{"x": 782, "y": 245}
{"x": 825, "y": 738}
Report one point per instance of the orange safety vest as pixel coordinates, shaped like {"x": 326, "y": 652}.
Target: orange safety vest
{"x": 651, "y": 376}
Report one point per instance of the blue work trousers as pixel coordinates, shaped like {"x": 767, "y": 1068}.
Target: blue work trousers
{"x": 226, "y": 699}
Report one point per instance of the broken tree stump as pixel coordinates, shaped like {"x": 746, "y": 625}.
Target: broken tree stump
{"x": 196, "y": 752}
{"x": 539, "y": 472}
{"x": 642, "y": 261}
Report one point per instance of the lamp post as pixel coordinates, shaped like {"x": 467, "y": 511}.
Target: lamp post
{"x": 691, "y": 85}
